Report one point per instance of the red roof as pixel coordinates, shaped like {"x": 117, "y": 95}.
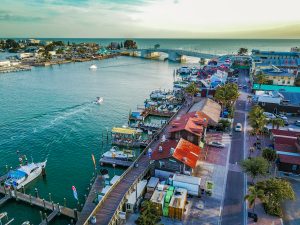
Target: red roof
{"x": 191, "y": 122}
{"x": 166, "y": 150}
{"x": 285, "y": 132}
{"x": 289, "y": 159}
{"x": 187, "y": 152}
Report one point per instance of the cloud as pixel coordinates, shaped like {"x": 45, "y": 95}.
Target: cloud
{"x": 11, "y": 17}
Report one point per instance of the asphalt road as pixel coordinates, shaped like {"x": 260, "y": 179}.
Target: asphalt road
{"x": 233, "y": 212}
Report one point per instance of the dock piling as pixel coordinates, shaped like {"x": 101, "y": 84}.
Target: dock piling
{"x": 30, "y": 199}
{"x": 50, "y": 199}
{"x": 52, "y": 206}
{"x": 23, "y": 189}
{"x": 41, "y": 214}
{"x": 58, "y": 208}
{"x": 15, "y": 193}
{"x": 36, "y": 193}
{"x": 46, "y": 218}
{"x": 44, "y": 204}
{"x": 65, "y": 202}
{"x": 75, "y": 214}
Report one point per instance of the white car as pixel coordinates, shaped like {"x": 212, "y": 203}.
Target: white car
{"x": 238, "y": 127}
{"x": 269, "y": 115}
{"x": 282, "y": 117}
{"x": 216, "y": 144}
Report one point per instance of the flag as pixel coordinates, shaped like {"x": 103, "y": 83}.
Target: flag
{"x": 75, "y": 193}
{"x": 94, "y": 161}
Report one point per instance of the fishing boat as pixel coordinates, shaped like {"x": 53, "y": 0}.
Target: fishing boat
{"x": 99, "y": 100}
{"x": 18, "y": 178}
{"x": 93, "y": 67}
{"x": 115, "y": 153}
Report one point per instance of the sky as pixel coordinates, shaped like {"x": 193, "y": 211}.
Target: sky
{"x": 150, "y": 18}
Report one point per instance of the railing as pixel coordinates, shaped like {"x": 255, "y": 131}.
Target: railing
{"x": 128, "y": 170}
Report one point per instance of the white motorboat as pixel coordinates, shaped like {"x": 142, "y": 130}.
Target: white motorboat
{"x": 115, "y": 153}
{"x": 93, "y": 67}
{"x": 99, "y": 100}
{"x": 18, "y": 178}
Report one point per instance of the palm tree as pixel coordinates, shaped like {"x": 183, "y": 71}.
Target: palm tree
{"x": 257, "y": 119}
{"x": 253, "y": 194}
{"x": 192, "y": 89}
{"x": 261, "y": 79}
{"x": 227, "y": 94}
{"x": 278, "y": 122}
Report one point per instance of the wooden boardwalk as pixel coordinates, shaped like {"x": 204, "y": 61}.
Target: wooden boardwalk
{"x": 38, "y": 202}
{"x": 117, "y": 162}
{"x": 89, "y": 204}
{"x": 108, "y": 208}
{"x": 50, "y": 217}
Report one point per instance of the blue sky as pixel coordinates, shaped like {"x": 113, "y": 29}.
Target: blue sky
{"x": 150, "y": 18}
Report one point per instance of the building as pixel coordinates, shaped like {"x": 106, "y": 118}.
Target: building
{"x": 287, "y": 146}
{"x": 280, "y": 76}
{"x": 174, "y": 156}
{"x": 191, "y": 127}
{"x": 208, "y": 108}
{"x": 290, "y": 60}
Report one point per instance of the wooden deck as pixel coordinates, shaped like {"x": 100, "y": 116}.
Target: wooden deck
{"x": 89, "y": 203}
{"x": 107, "y": 209}
{"x": 38, "y": 202}
{"x": 50, "y": 217}
{"x": 117, "y": 162}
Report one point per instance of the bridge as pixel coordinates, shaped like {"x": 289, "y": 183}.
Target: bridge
{"x": 176, "y": 55}
{"x": 111, "y": 205}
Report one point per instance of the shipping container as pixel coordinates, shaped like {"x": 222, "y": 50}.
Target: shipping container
{"x": 177, "y": 204}
{"x": 190, "y": 183}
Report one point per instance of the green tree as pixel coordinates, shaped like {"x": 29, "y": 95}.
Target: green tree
{"x": 130, "y": 44}
{"x": 192, "y": 89}
{"x": 269, "y": 154}
{"x": 149, "y": 214}
{"x": 277, "y": 122}
{"x": 254, "y": 193}
{"x": 227, "y": 94}
{"x": 297, "y": 81}
{"x": 257, "y": 119}
{"x": 202, "y": 61}
{"x": 156, "y": 46}
{"x": 224, "y": 124}
{"x": 276, "y": 191}
{"x": 255, "y": 167}
{"x": 261, "y": 79}
{"x": 242, "y": 51}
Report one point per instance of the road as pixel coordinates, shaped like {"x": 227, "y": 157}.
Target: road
{"x": 234, "y": 208}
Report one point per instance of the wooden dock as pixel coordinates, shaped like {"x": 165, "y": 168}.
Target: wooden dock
{"x": 31, "y": 200}
{"x": 89, "y": 204}
{"x": 116, "y": 162}
{"x": 50, "y": 217}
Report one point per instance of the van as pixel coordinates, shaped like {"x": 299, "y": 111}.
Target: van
{"x": 238, "y": 127}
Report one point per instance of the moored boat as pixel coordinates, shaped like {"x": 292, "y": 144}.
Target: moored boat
{"x": 18, "y": 178}
{"x": 115, "y": 153}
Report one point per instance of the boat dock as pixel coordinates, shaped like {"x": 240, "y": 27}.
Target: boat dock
{"x": 116, "y": 162}
{"x": 111, "y": 205}
{"x": 89, "y": 204}
{"x": 41, "y": 203}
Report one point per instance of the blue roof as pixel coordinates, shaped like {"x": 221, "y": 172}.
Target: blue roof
{"x": 280, "y": 88}
{"x": 282, "y": 73}
{"x": 255, "y": 51}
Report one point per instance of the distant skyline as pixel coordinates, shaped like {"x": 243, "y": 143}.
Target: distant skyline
{"x": 150, "y": 18}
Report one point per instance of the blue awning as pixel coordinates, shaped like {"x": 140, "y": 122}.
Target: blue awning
{"x": 16, "y": 174}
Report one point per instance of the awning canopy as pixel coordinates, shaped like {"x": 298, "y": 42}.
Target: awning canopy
{"x": 121, "y": 130}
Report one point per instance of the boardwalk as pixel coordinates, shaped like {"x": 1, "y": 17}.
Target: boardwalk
{"x": 108, "y": 208}
{"x": 50, "y": 217}
{"x": 89, "y": 203}
{"x": 38, "y": 202}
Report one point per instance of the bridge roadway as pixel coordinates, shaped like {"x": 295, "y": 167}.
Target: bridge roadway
{"x": 168, "y": 51}
{"x": 107, "y": 210}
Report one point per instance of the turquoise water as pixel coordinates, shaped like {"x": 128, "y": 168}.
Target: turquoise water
{"x": 47, "y": 113}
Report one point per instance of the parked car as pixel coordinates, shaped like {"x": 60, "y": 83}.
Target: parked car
{"x": 216, "y": 144}
{"x": 297, "y": 123}
{"x": 282, "y": 116}
{"x": 269, "y": 115}
{"x": 238, "y": 127}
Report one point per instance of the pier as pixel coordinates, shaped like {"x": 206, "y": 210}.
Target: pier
{"x": 89, "y": 204}
{"x": 55, "y": 209}
{"x": 108, "y": 209}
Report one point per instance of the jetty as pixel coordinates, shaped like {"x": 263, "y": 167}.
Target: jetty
{"x": 109, "y": 209}
{"x": 55, "y": 209}
{"x": 90, "y": 204}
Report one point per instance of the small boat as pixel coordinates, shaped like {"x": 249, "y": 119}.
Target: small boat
{"x": 115, "y": 153}
{"x": 93, "y": 67}
{"x": 26, "y": 223}
{"x": 18, "y": 178}
{"x": 99, "y": 100}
